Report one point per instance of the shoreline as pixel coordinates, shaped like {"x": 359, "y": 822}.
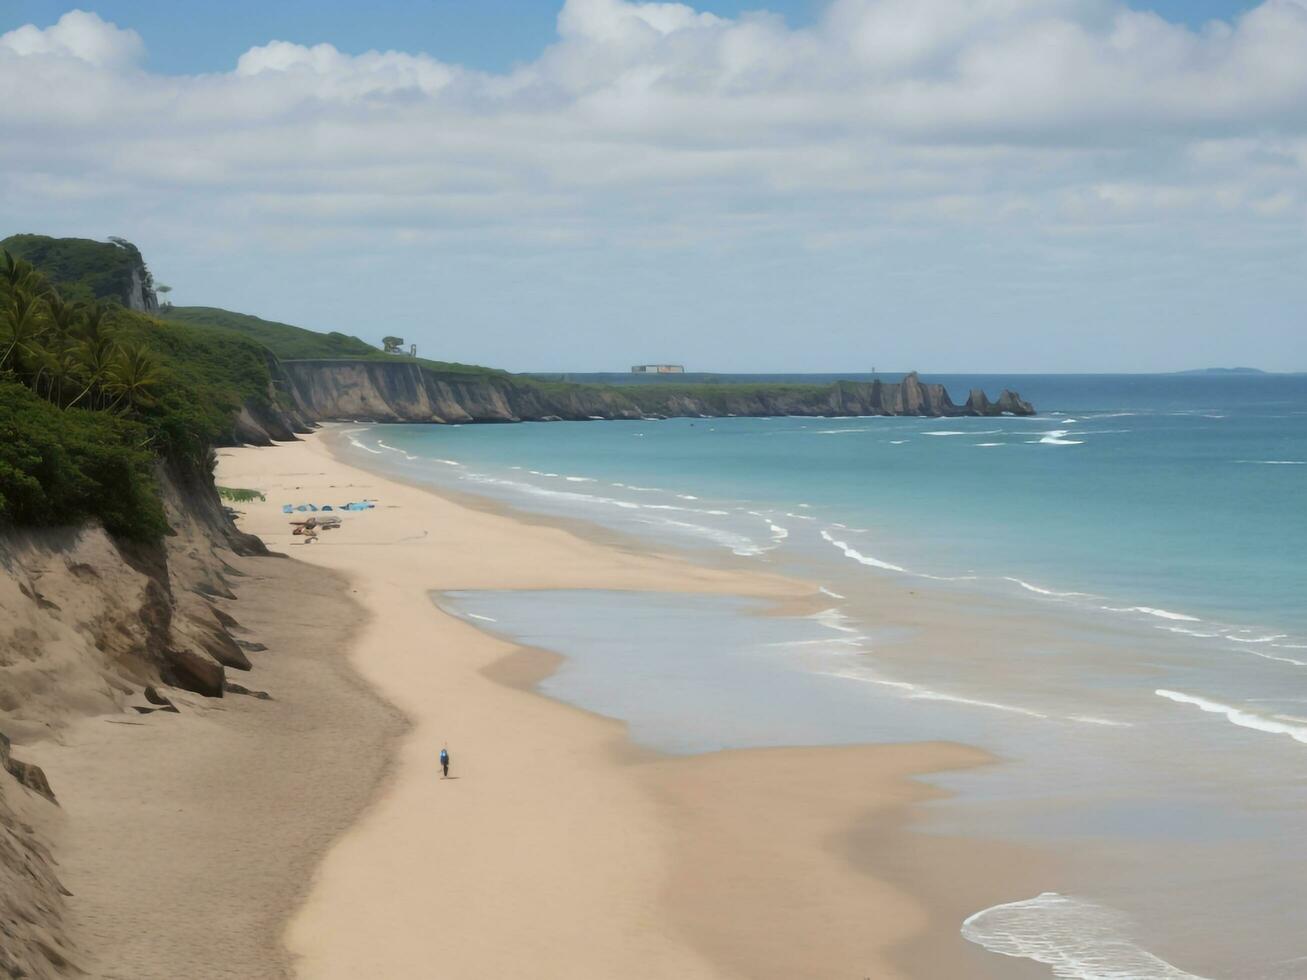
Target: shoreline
{"x": 617, "y": 835}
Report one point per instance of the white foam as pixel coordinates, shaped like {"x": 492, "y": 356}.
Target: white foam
{"x": 484, "y": 619}
{"x": 949, "y": 433}
{"x": 685, "y": 510}
{"x": 1039, "y": 589}
{"x": 1256, "y": 639}
{"x": 355, "y": 442}
{"x": 1078, "y": 939}
{"x": 737, "y": 543}
{"x": 838, "y": 432}
{"x": 833, "y": 619}
{"x": 579, "y": 479}
{"x": 897, "y": 442}
{"x": 1283, "y": 660}
{"x": 987, "y": 445}
{"x": 1151, "y": 611}
{"x": 918, "y": 693}
{"x": 833, "y": 595}
{"x": 860, "y": 557}
{"x": 1238, "y": 716}
{"x": 1057, "y": 437}
{"x": 1185, "y": 632}
{"x": 1107, "y": 722}
{"x": 1276, "y": 462}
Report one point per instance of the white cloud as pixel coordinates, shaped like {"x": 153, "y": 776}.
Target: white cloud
{"x": 78, "y": 35}
{"x": 966, "y": 128}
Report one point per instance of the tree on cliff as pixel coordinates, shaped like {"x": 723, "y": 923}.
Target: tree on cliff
{"x": 392, "y": 345}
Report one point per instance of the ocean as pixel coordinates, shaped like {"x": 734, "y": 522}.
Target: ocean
{"x": 1108, "y": 596}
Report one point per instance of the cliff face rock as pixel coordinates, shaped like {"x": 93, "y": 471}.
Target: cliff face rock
{"x": 140, "y": 294}
{"x": 87, "y": 621}
{"x": 33, "y": 943}
{"x": 401, "y": 391}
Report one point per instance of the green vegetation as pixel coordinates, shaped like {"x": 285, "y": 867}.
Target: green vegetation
{"x": 293, "y": 343}
{"x": 64, "y": 466}
{"x": 82, "y": 270}
{"x": 239, "y": 495}
{"x": 94, "y": 394}
{"x": 282, "y": 339}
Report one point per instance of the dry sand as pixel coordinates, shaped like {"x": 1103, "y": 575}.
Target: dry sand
{"x": 559, "y": 850}
{"x": 188, "y": 839}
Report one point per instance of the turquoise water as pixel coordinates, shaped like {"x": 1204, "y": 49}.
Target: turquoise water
{"x": 1180, "y": 494}
{"x": 1115, "y": 607}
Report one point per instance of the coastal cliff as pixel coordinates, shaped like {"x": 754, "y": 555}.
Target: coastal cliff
{"x": 91, "y": 623}
{"x": 405, "y": 391}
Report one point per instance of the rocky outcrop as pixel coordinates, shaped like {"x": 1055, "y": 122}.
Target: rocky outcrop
{"x": 140, "y": 294}
{"x": 402, "y": 391}
{"x": 27, "y": 774}
{"x": 1009, "y": 403}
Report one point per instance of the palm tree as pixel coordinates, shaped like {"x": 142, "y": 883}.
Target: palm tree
{"x": 16, "y": 274}
{"x": 58, "y": 366}
{"x": 24, "y": 320}
{"x": 132, "y": 375}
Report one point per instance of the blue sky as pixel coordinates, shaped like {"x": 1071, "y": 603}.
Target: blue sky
{"x": 187, "y": 36}
{"x": 950, "y": 185}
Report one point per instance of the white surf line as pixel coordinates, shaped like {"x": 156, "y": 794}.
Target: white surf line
{"x": 918, "y": 693}
{"x": 1040, "y": 590}
{"x": 355, "y": 442}
{"x": 1078, "y": 939}
{"x": 1237, "y": 716}
{"x": 859, "y": 557}
{"x": 1151, "y": 611}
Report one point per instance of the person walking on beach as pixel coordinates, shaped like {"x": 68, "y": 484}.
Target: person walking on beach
{"x": 444, "y": 763}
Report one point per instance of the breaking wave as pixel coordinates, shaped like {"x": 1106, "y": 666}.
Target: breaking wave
{"x": 859, "y": 557}
{"x": 1040, "y": 590}
{"x": 1151, "y": 611}
{"x": 1078, "y": 939}
{"x": 1237, "y": 716}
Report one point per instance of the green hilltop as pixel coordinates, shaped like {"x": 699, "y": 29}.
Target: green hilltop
{"x": 82, "y": 269}
{"x": 282, "y": 339}
{"x": 93, "y": 395}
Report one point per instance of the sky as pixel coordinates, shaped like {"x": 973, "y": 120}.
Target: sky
{"x": 999, "y": 186}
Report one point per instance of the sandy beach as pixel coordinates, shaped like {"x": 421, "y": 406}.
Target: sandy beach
{"x": 559, "y": 849}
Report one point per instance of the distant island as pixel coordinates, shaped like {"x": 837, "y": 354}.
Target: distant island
{"x": 1224, "y": 370}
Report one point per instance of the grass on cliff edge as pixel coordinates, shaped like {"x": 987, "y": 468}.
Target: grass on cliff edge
{"x": 293, "y": 343}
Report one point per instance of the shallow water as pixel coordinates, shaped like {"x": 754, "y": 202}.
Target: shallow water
{"x": 1109, "y": 597}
